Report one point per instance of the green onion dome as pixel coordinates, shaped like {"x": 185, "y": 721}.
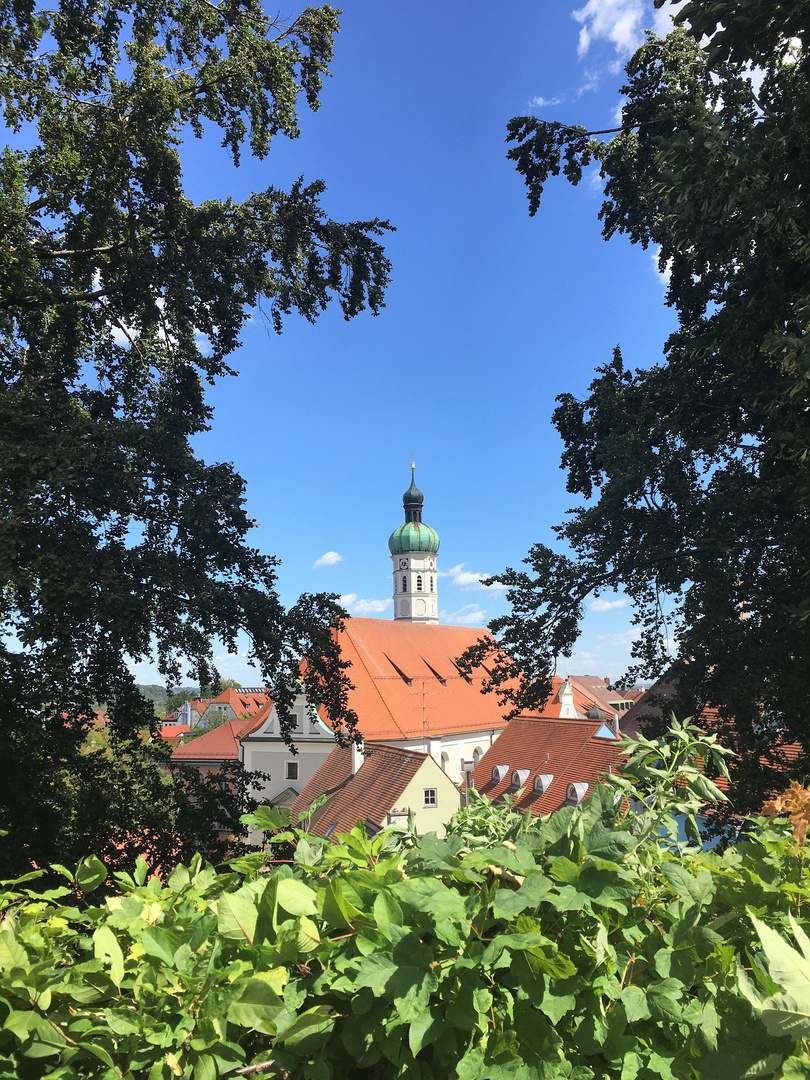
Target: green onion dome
{"x": 414, "y": 535}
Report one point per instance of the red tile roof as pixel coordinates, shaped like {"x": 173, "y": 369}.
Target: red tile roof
{"x": 778, "y": 758}
{"x": 219, "y": 744}
{"x": 241, "y": 701}
{"x": 406, "y": 683}
{"x": 568, "y": 749}
{"x": 371, "y": 793}
{"x": 173, "y": 732}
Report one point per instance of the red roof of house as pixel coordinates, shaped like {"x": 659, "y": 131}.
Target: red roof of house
{"x": 172, "y": 732}
{"x": 567, "y": 749}
{"x": 241, "y": 701}
{"x": 371, "y": 793}
{"x": 406, "y": 682}
{"x": 219, "y": 744}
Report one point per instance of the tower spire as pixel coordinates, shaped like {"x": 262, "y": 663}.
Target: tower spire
{"x": 413, "y": 548}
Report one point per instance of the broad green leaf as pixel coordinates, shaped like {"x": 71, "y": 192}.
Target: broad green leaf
{"x": 555, "y": 1006}
{"x": 700, "y": 889}
{"x": 635, "y": 1003}
{"x": 510, "y": 902}
{"x": 425, "y": 1029}
{"x": 308, "y": 936}
{"x": 12, "y": 954}
{"x": 565, "y": 871}
{"x": 788, "y": 968}
{"x": 258, "y": 1006}
{"x": 387, "y": 912}
{"x": 236, "y": 915}
{"x": 160, "y": 943}
{"x": 107, "y": 949}
{"x": 786, "y": 1014}
{"x": 296, "y": 897}
{"x": 431, "y": 896}
{"x": 307, "y": 1030}
{"x": 665, "y": 1000}
{"x": 375, "y": 971}
{"x": 90, "y": 873}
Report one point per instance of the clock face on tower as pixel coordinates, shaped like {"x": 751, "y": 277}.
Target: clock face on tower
{"x": 403, "y": 564}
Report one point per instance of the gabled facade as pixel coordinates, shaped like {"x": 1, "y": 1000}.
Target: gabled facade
{"x": 379, "y": 786}
{"x": 263, "y": 749}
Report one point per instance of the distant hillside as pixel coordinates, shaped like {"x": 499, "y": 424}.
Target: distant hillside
{"x": 156, "y": 693}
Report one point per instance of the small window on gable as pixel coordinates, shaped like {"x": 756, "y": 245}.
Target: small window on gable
{"x": 290, "y": 770}
{"x": 429, "y": 796}
{"x": 404, "y": 583}
{"x": 605, "y": 731}
{"x": 519, "y": 777}
{"x": 499, "y": 772}
{"x": 542, "y": 782}
{"x": 418, "y": 582}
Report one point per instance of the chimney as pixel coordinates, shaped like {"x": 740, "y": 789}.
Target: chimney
{"x": 357, "y": 757}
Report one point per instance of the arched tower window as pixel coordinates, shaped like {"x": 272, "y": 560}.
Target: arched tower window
{"x": 418, "y": 582}
{"x": 404, "y": 583}
{"x": 431, "y": 582}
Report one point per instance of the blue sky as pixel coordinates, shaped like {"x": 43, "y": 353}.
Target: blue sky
{"x": 489, "y": 316}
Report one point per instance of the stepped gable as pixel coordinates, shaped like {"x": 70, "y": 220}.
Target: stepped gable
{"x": 368, "y": 794}
{"x": 407, "y": 684}
{"x": 569, "y": 751}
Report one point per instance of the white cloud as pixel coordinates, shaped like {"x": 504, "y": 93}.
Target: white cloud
{"x": 607, "y": 605}
{"x": 329, "y": 558}
{"x": 466, "y": 580}
{"x": 662, "y": 18}
{"x": 616, "y": 21}
{"x": 363, "y": 607}
{"x": 469, "y": 615}
{"x": 544, "y": 103}
{"x": 625, "y": 639}
{"x": 665, "y": 274}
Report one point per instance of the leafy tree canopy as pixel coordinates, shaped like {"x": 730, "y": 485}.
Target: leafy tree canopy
{"x": 120, "y": 299}
{"x": 694, "y": 473}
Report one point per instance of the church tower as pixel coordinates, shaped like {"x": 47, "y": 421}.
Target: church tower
{"x": 413, "y": 548}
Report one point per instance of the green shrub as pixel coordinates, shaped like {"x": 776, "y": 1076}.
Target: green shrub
{"x": 589, "y": 944}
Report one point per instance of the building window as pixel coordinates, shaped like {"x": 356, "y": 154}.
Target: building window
{"x": 404, "y": 583}
{"x": 291, "y": 770}
{"x": 445, "y": 762}
{"x": 418, "y": 582}
{"x": 476, "y": 756}
{"x": 431, "y": 582}
{"x": 429, "y": 797}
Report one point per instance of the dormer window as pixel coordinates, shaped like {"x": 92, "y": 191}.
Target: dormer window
{"x": 519, "y": 777}
{"x": 499, "y": 773}
{"x": 542, "y": 782}
{"x": 575, "y": 793}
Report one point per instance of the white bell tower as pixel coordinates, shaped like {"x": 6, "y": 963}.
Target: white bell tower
{"x": 414, "y": 547}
